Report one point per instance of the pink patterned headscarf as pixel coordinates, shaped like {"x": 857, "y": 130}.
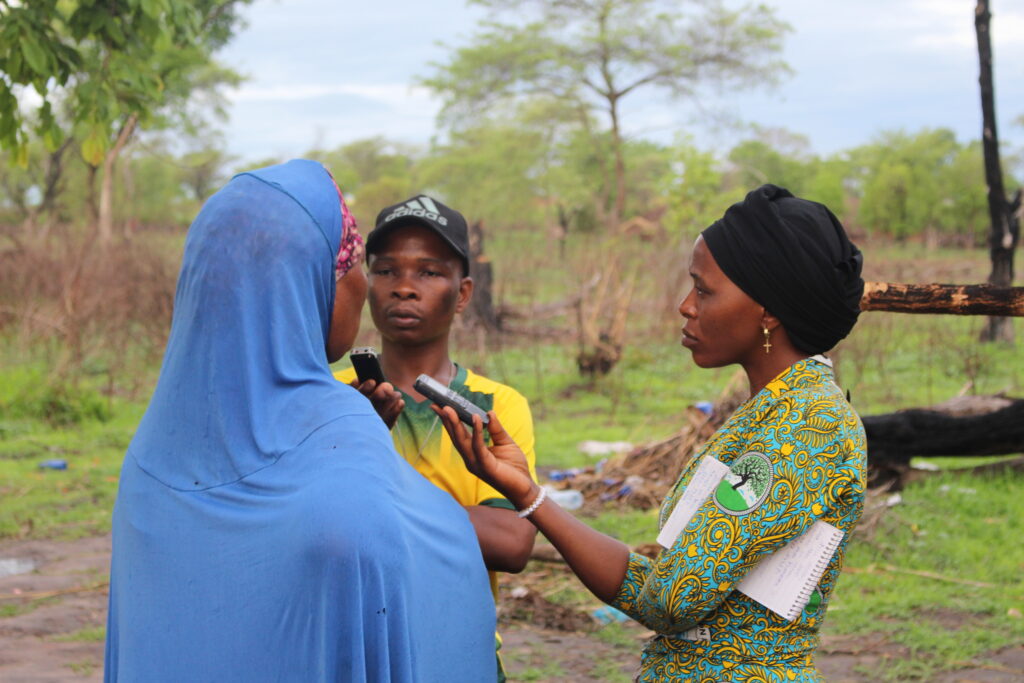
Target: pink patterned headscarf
{"x": 351, "y": 251}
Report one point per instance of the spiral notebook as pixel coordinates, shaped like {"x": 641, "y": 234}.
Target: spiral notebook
{"x": 785, "y": 580}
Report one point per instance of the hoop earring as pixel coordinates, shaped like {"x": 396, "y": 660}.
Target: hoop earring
{"x": 767, "y": 340}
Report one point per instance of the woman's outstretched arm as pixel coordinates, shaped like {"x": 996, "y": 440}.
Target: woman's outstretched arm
{"x": 598, "y": 560}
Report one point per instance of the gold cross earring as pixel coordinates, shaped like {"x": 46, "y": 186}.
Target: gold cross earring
{"x": 767, "y": 340}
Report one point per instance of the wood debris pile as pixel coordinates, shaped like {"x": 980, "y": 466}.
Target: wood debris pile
{"x": 641, "y": 477}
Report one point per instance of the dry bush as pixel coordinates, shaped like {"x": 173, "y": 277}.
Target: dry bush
{"x": 632, "y": 291}
{"x": 605, "y": 293}
{"x": 642, "y": 477}
{"x": 80, "y": 303}
{"x": 602, "y": 311}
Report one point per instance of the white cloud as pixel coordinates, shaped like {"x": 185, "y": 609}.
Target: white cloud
{"x": 945, "y": 24}
{"x": 28, "y": 98}
{"x": 861, "y": 67}
{"x": 391, "y": 94}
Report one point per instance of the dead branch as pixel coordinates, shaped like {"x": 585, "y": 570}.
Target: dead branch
{"x": 39, "y": 595}
{"x": 889, "y": 569}
{"x": 949, "y": 299}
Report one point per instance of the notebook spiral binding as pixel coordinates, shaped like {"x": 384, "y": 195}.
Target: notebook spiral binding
{"x": 804, "y": 596}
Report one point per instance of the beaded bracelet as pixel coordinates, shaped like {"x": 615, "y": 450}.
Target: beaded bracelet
{"x": 534, "y": 505}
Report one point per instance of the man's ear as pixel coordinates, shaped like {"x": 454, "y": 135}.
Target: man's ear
{"x": 465, "y": 294}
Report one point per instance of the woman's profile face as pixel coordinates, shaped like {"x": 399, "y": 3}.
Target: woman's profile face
{"x": 349, "y": 297}
{"x": 723, "y": 324}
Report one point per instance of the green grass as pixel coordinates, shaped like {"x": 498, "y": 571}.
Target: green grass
{"x": 895, "y": 361}
{"x": 10, "y": 609}
{"x": 961, "y": 527}
{"x": 632, "y": 527}
{"x": 609, "y": 670}
{"x": 90, "y": 634}
{"x": 617, "y": 635}
{"x": 549, "y": 672}
{"x": 84, "y": 667}
{"x": 70, "y": 503}
{"x": 958, "y": 526}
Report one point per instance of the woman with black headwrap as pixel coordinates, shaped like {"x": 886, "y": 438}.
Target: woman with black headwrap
{"x": 776, "y": 283}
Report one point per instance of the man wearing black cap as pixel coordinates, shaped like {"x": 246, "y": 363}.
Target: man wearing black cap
{"x": 418, "y": 257}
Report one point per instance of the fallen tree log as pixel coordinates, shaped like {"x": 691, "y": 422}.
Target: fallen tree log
{"x": 894, "y": 297}
{"x": 895, "y": 438}
{"x": 950, "y": 299}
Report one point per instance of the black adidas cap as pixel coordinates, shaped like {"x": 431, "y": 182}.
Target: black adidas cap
{"x": 430, "y": 213}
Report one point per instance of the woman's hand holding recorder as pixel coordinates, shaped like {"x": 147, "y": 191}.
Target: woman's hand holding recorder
{"x": 599, "y": 561}
{"x": 503, "y": 465}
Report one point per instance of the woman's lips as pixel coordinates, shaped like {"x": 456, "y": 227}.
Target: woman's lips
{"x": 688, "y": 339}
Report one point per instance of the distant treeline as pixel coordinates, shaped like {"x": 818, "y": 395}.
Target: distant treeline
{"x": 526, "y": 172}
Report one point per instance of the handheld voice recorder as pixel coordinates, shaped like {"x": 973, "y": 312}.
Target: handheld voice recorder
{"x": 367, "y": 365}
{"x": 443, "y": 396}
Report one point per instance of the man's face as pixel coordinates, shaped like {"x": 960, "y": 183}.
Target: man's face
{"x": 416, "y": 286}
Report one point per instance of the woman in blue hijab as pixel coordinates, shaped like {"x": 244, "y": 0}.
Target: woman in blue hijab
{"x": 265, "y": 529}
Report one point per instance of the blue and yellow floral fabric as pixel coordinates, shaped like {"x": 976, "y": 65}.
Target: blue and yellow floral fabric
{"x": 797, "y": 454}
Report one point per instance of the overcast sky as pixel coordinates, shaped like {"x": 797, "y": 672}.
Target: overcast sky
{"x": 325, "y": 72}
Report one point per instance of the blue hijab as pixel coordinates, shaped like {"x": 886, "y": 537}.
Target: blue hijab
{"x": 265, "y": 529}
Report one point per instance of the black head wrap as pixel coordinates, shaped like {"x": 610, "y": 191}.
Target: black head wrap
{"x": 793, "y": 257}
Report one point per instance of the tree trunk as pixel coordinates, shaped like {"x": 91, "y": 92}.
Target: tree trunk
{"x": 1004, "y": 229}
{"x": 612, "y": 94}
{"x": 40, "y": 231}
{"x": 564, "y": 223}
{"x": 90, "y": 198}
{"x": 480, "y": 312}
{"x": 105, "y": 219}
{"x": 131, "y": 222}
{"x": 620, "y": 166}
{"x": 600, "y": 198}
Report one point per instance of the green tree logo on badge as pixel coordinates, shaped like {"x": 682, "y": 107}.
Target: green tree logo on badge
{"x": 746, "y": 485}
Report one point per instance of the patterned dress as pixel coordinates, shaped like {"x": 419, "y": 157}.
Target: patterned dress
{"x": 797, "y": 453}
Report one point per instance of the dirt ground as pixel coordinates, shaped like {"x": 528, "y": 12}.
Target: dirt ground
{"x": 66, "y": 593}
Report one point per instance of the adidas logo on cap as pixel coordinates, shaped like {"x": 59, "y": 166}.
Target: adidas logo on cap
{"x": 421, "y": 207}
{"x": 448, "y": 223}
